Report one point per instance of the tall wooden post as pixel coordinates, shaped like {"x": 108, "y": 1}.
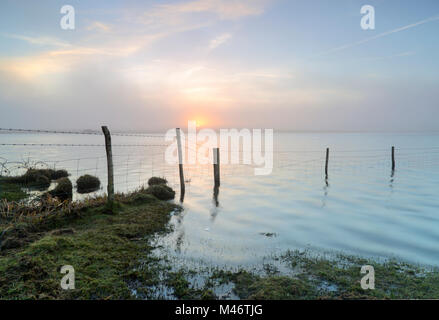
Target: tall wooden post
{"x": 393, "y": 158}
{"x": 216, "y": 166}
{"x": 327, "y": 162}
{"x": 110, "y": 178}
{"x": 180, "y": 164}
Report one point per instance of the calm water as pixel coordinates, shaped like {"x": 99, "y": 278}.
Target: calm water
{"x": 361, "y": 209}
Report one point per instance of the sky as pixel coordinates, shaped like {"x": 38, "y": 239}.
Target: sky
{"x": 289, "y": 65}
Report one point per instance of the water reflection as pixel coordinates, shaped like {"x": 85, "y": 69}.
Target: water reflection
{"x": 215, "y": 209}
{"x": 360, "y": 219}
{"x": 325, "y": 191}
{"x": 215, "y": 195}
{"x": 179, "y": 230}
{"x": 392, "y": 179}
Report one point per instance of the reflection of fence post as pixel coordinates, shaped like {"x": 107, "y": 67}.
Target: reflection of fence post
{"x": 216, "y": 166}
{"x": 110, "y": 187}
{"x": 180, "y": 164}
{"x": 393, "y": 158}
{"x": 327, "y": 162}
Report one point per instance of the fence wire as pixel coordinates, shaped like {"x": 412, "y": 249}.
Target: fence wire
{"x": 135, "y": 163}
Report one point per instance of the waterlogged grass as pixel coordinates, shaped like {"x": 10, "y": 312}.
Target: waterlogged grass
{"x": 338, "y": 277}
{"x": 104, "y": 249}
{"x": 113, "y": 258}
{"x": 393, "y": 279}
{"x": 309, "y": 277}
{"x": 11, "y": 191}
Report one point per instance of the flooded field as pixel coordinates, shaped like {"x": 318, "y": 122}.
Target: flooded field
{"x": 363, "y": 208}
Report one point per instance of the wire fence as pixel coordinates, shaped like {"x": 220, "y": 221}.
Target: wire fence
{"x": 134, "y": 161}
{"x": 139, "y": 156}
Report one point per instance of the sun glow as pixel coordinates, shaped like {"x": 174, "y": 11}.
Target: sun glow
{"x": 199, "y": 121}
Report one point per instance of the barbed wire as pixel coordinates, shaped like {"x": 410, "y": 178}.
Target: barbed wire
{"x": 131, "y": 170}
{"x": 80, "y": 145}
{"x": 14, "y": 130}
{"x": 129, "y": 176}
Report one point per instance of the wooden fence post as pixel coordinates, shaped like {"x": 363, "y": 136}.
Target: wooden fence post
{"x": 216, "y": 166}
{"x": 110, "y": 178}
{"x": 180, "y": 164}
{"x": 327, "y": 162}
{"x": 393, "y": 158}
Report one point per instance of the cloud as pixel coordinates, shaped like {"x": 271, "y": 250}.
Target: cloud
{"x": 125, "y": 40}
{"x": 66, "y": 57}
{"x": 221, "y": 39}
{"x": 198, "y": 13}
{"x": 384, "y": 34}
{"x": 223, "y": 9}
{"x": 39, "y": 40}
{"x": 116, "y": 76}
{"x": 99, "y": 26}
{"x": 128, "y": 38}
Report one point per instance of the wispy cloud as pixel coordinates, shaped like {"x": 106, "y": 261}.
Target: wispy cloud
{"x": 38, "y": 40}
{"x": 221, "y": 39}
{"x": 384, "y": 34}
{"x": 99, "y": 26}
{"x": 65, "y": 57}
{"x": 223, "y": 9}
{"x": 163, "y": 20}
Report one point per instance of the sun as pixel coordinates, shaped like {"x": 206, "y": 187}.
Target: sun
{"x": 199, "y": 121}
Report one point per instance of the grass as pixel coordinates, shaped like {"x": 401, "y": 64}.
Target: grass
{"x": 38, "y": 179}
{"x": 250, "y": 286}
{"x": 393, "y": 279}
{"x": 63, "y": 189}
{"x": 333, "y": 278}
{"x": 103, "y": 249}
{"x": 87, "y": 183}
{"x": 11, "y": 191}
{"x": 111, "y": 253}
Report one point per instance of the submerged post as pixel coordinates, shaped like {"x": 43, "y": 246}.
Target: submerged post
{"x": 110, "y": 178}
{"x": 393, "y": 158}
{"x": 327, "y": 162}
{"x": 216, "y": 166}
{"x": 180, "y": 164}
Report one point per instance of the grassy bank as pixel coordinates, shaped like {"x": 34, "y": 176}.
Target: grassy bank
{"x": 113, "y": 258}
{"x": 104, "y": 248}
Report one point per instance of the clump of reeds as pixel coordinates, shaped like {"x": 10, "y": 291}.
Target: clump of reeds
{"x": 159, "y": 189}
{"x": 39, "y": 179}
{"x": 43, "y": 208}
{"x": 63, "y": 189}
{"x": 87, "y": 183}
{"x": 156, "y": 181}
